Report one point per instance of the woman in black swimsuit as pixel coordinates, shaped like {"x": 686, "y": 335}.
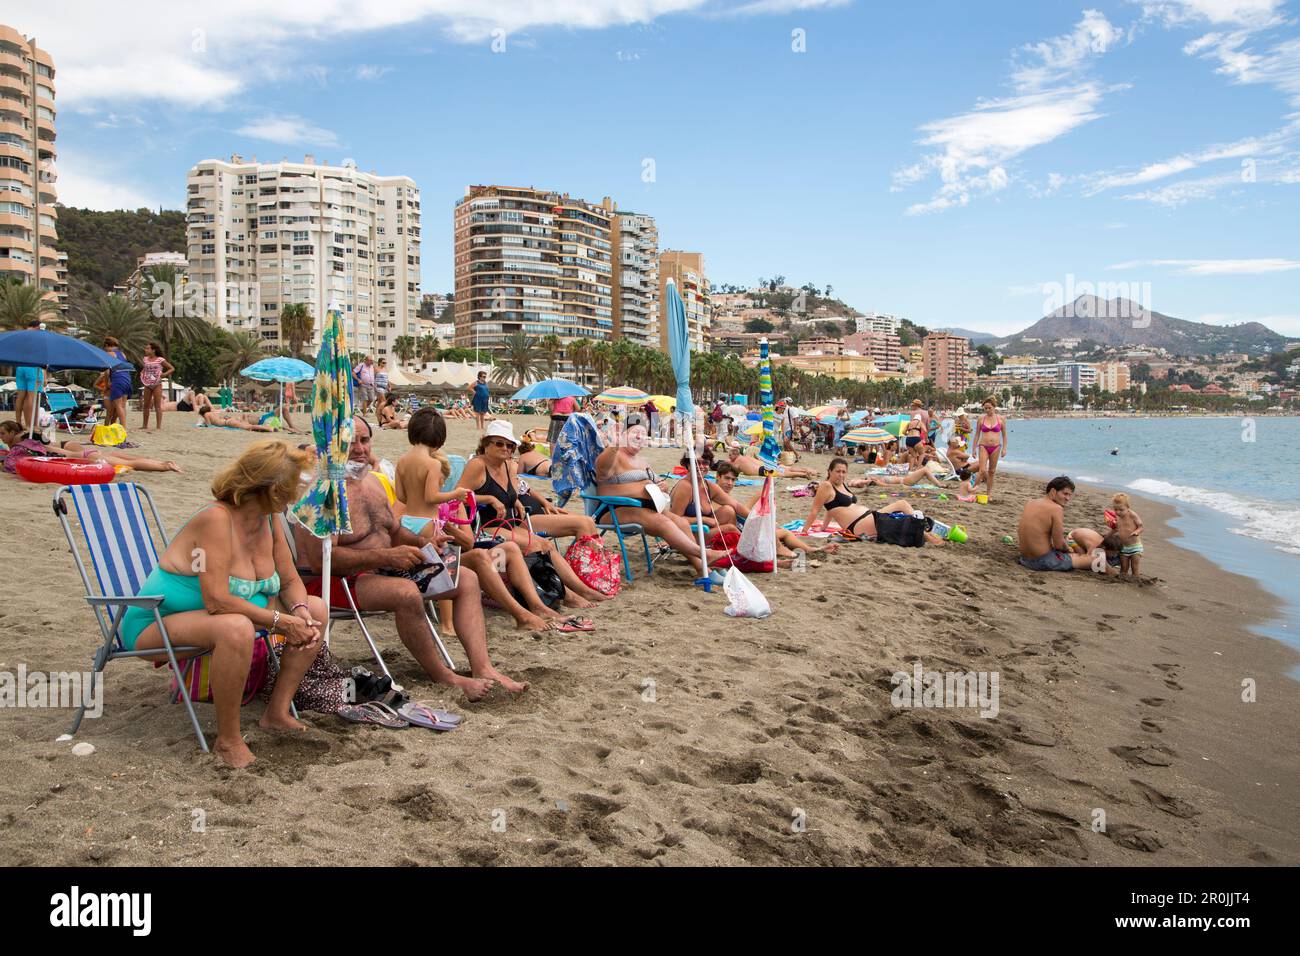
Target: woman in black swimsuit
{"x": 842, "y": 506}
{"x": 493, "y": 476}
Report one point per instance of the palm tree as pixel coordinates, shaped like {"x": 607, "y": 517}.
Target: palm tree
{"x": 128, "y": 322}
{"x": 162, "y": 295}
{"x": 428, "y": 348}
{"x": 578, "y": 352}
{"x": 239, "y": 350}
{"x": 518, "y": 361}
{"x": 404, "y": 348}
{"x": 296, "y": 326}
{"x": 552, "y": 348}
{"x": 600, "y": 359}
{"x": 21, "y": 303}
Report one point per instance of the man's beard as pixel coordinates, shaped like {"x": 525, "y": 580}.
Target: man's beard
{"x": 357, "y": 469}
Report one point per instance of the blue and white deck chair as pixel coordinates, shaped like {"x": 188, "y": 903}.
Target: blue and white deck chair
{"x": 122, "y": 554}
{"x": 63, "y": 406}
{"x": 601, "y": 509}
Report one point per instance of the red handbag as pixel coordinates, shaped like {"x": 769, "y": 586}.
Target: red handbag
{"x": 600, "y": 568}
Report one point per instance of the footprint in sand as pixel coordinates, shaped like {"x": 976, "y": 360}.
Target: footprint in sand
{"x": 1146, "y": 754}
{"x": 1162, "y": 801}
{"x": 1151, "y": 727}
{"x": 1155, "y": 701}
{"x": 1158, "y": 616}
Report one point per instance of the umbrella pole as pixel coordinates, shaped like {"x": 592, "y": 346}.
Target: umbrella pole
{"x": 326, "y": 548}
{"x": 704, "y": 580}
{"x": 36, "y": 409}
{"x": 282, "y": 401}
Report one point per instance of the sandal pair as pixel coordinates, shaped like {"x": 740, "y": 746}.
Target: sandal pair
{"x": 573, "y": 624}
{"x": 413, "y": 713}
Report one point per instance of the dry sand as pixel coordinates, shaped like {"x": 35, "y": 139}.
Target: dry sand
{"x": 1114, "y": 696}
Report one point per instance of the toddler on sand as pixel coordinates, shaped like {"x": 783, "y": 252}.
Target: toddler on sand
{"x": 1128, "y": 525}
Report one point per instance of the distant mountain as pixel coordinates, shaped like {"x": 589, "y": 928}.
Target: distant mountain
{"x": 976, "y": 338}
{"x": 1121, "y": 322}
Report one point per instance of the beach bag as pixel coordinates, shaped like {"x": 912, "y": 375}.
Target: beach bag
{"x": 599, "y": 568}
{"x": 906, "y": 531}
{"x": 550, "y": 588}
{"x": 743, "y": 599}
{"x": 324, "y": 688}
{"x": 27, "y": 448}
{"x": 758, "y": 539}
{"x": 198, "y": 678}
{"x": 108, "y": 435}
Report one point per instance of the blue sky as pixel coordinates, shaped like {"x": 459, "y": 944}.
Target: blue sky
{"x": 938, "y": 160}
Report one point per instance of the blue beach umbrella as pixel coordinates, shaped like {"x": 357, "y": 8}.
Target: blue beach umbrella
{"x": 679, "y": 351}
{"x": 550, "y": 388}
{"x": 280, "y": 369}
{"x": 53, "y": 353}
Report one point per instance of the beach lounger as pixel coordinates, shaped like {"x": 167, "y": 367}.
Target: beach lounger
{"x": 122, "y": 552}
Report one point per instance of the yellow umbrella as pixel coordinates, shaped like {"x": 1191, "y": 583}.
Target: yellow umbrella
{"x": 821, "y": 410}
{"x": 665, "y": 403}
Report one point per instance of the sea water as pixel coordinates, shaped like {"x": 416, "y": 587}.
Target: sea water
{"x": 1234, "y": 481}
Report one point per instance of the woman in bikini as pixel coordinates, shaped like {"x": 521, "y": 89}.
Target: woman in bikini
{"x": 622, "y": 472}
{"x": 493, "y": 476}
{"x": 11, "y": 432}
{"x": 532, "y": 461}
{"x": 209, "y": 415}
{"x": 992, "y": 437}
{"x": 856, "y": 522}
{"x": 787, "y": 542}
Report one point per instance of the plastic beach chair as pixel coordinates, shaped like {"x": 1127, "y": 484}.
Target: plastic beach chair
{"x": 601, "y": 509}
{"x": 63, "y": 406}
{"x": 122, "y": 553}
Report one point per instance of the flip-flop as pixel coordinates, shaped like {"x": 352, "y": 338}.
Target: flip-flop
{"x": 373, "y": 712}
{"x": 561, "y": 627}
{"x": 581, "y": 623}
{"x": 417, "y": 715}
{"x": 446, "y": 716}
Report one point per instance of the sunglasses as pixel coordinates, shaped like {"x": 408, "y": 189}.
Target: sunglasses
{"x": 498, "y": 443}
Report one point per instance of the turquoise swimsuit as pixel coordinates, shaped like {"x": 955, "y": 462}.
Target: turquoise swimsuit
{"x": 181, "y": 592}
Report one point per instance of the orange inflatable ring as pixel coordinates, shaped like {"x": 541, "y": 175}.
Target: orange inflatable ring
{"x": 65, "y": 471}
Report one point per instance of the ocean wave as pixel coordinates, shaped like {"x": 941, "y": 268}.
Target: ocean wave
{"x": 1263, "y": 520}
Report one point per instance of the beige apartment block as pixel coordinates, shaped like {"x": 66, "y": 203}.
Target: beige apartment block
{"x": 532, "y": 261}
{"x": 944, "y": 361}
{"x": 635, "y": 277}
{"x": 28, "y": 219}
{"x": 686, "y": 269}
{"x": 883, "y": 348}
{"x": 263, "y": 235}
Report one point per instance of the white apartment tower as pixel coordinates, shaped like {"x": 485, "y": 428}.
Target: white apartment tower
{"x": 263, "y": 235}
{"x": 635, "y": 278}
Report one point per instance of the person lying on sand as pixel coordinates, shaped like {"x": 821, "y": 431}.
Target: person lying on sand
{"x": 1041, "y": 533}
{"x": 749, "y": 465}
{"x": 787, "y": 542}
{"x": 376, "y": 559}
{"x": 210, "y": 415}
{"x": 532, "y": 461}
{"x": 932, "y": 471}
{"x": 246, "y": 580}
{"x": 11, "y": 432}
{"x": 856, "y": 522}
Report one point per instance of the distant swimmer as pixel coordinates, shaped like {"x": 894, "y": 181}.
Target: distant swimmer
{"x": 1114, "y": 451}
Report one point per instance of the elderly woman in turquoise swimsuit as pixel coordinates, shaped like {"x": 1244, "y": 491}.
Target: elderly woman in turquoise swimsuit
{"x": 229, "y": 573}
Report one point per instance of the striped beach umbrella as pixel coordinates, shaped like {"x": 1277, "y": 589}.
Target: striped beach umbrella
{"x": 894, "y": 424}
{"x": 323, "y": 510}
{"x": 821, "y": 410}
{"x": 866, "y": 435}
{"x": 623, "y": 395}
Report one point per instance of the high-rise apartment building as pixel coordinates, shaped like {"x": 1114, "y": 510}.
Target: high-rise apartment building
{"x": 1113, "y": 376}
{"x": 944, "y": 361}
{"x": 635, "y": 277}
{"x": 884, "y": 348}
{"x": 686, "y": 269}
{"x": 28, "y": 220}
{"x": 877, "y": 322}
{"x": 264, "y": 235}
{"x": 532, "y": 261}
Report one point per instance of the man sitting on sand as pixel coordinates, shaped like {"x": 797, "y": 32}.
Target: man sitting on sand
{"x": 374, "y": 558}
{"x": 1041, "y": 532}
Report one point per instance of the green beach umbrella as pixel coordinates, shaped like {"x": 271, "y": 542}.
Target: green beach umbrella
{"x": 323, "y": 510}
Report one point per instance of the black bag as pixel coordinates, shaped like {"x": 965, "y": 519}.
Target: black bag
{"x": 545, "y": 578}
{"x": 906, "y": 531}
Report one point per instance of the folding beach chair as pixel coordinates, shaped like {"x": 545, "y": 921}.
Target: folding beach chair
{"x": 601, "y": 509}
{"x": 122, "y": 553}
{"x": 63, "y": 407}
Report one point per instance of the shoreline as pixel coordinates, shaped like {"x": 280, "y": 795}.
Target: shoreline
{"x": 1112, "y": 693}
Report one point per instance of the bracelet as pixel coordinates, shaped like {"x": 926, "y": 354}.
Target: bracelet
{"x": 275, "y": 622}
{"x": 294, "y": 609}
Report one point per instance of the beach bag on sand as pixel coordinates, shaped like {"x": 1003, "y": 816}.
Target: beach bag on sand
{"x": 546, "y": 580}
{"x": 108, "y": 435}
{"x": 325, "y": 687}
{"x": 600, "y": 568}
{"x": 198, "y": 679}
{"x": 743, "y": 599}
{"x": 906, "y": 531}
{"x": 27, "y": 448}
{"x": 758, "y": 539}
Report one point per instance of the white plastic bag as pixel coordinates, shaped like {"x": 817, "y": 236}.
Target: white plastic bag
{"x": 758, "y": 538}
{"x": 744, "y": 599}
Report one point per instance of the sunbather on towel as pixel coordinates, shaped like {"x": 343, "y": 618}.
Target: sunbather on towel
{"x": 211, "y": 415}
{"x": 749, "y": 465}
{"x": 11, "y": 432}
{"x": 372, "y": 558}
{"x": 842, "y": 506}
{"x": 787, "y": 542}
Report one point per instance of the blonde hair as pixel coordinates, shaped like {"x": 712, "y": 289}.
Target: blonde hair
{"x": 1120, "y": 499}
{"x": 268, "y": 472}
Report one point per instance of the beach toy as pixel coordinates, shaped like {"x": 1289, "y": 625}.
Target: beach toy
{"x": 982, "y": 499}
{"x": 1111, "y": 518}
{"x": 65, "y": 471}
{"x": 949, "y": 532}
{"x": 943, "y": 497}
{"x": 1007, "y": 539}
{"x": 957, "y": 534}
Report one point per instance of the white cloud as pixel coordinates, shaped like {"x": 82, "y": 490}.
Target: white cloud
{"x": 289, "y": 131}
{"x": 369, "y": 71}
{"x": 1253, "y": 147}
{"x": 1215, "y": 267}
{"x": 971, "y": 151}
{"x": 1255, "y": 13}
{"x": 94, "y": 185}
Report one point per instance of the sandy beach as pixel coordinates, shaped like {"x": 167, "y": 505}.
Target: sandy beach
{"x": 763, "y": 742}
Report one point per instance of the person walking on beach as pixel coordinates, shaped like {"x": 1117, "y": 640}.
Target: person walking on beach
{"x": 561, "y": 409}
{"x": 116, "y": 383}
{"x": 364, "y": 378}
{"x": 991, "y": 432}
{"x": 153, "y": 369}
{"x": 480, "y": 399}
{"x": 1041, "y": 533}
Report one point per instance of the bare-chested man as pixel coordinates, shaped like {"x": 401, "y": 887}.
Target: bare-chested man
{"x": 1042, "y": 532}
{"x": 378, "y": 542}
{"x": 749, "y": 465}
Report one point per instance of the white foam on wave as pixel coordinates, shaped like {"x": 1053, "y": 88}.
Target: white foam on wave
{"x": 1263, "y": 520}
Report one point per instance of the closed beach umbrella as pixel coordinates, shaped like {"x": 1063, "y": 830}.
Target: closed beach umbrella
{"x": 679, "y": 352}
{"x": 623, "y": 395}
{"x": 324, "y": 509}
{"x": 53, "y": 353}
{"x": 550, "y": 388}
{"x": 866, "y": 435}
